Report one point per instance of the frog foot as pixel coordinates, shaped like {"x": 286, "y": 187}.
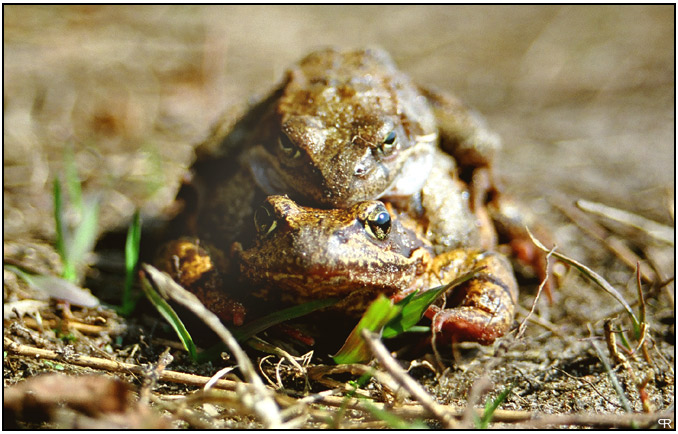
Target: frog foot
{"x": 193, "y": 267}
{"x": 481, "y": 309}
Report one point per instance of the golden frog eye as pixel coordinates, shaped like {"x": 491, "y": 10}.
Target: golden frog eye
{"x": 389, "y": 144}
{"x": 287, "y": 146}
{"x": 265, "y": 220}
{"x": 379, "y": 223}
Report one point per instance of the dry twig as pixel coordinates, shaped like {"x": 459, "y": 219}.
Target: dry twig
{"x": 656, "y": 230}
{"x": 113, "y": 366}
{"x": 611, "y": 242}
{"x": 402, "y": 377}
{"x": 523, "y": 325}
{"x": 262, "y": 401}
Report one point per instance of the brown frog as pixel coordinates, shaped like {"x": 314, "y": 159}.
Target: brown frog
{"x": 343, "y": 127}
{"x": 199, "y": 265}
{"x": 302, "y": 254}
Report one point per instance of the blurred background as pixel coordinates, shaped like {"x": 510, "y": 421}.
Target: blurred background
{"x": 583, "y": 96}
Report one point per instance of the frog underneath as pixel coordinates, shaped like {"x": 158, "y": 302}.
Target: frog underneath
{"x": 302, "y": 254}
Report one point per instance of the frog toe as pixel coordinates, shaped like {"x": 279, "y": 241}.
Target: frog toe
{"x": 481, "y": 309}
{"x": 470, "y": 324}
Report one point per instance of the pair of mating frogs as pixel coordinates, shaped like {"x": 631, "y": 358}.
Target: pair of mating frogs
{"x": 348, "y": 181}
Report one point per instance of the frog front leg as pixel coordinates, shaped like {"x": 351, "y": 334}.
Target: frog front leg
{"x": 197, "y": 270}
{"x": 482, "y": 308}
{"x": 463, "y": 132}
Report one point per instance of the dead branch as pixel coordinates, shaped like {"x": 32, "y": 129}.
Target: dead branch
{"x": 402, "y": 377}
{"x": 113, "y": 366}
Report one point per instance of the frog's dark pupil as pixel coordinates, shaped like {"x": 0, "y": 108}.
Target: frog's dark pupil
{"x": 390, "y": 138}
{"x": 389, "y": 144}
{"x": 264, "y": 220}
{"x": 380, "y": 224}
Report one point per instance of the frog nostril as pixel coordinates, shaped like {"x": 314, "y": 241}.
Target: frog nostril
{"x": 360, "y": 170}
{"x": 363, "y": 168}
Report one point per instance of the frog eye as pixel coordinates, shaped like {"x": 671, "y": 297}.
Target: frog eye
{"x": 287, "y": 146}
{"x": 379, "y": 223}
{"x": 264, "y": 220}
{"x": 389, "y": 144}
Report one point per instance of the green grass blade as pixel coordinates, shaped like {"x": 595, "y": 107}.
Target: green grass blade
{"x": 393, "y": 421}
{"x": 68, "y": 272}
{"x": 414, "y": 306}
{"x": 131, "y": 259}
{"x": 490, "y": 408}
{"x": 73, "y": 247}
{"x": 73, "y": 181}
{"x": 613, "y": 379}
{"x": 170, "y": 316}
{"x": 378, "y": 314}
{"x": 85, "y": 234}
{"x": 263, "y": 323}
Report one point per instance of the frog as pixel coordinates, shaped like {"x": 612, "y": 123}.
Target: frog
{"x": 343, "y": 127}
{"x": 302, "y": 254}
{"x": 334, "y": 239}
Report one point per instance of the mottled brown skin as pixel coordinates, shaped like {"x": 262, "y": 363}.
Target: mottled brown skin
{"x": 484, "y": 307}
{"x": 343, "y": 127}
{"x": 303, "y": 254}
{"x": 346, "y": 127}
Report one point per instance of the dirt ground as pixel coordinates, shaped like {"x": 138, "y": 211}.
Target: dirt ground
{"x": 583, "y": 97}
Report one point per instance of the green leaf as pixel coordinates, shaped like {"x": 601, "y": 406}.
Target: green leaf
{"x": 378, "y": 314}
{"x": 414, "y": 305}
{"x": 170, "y": 316}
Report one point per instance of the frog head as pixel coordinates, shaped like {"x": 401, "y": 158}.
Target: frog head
{"x": 348, "y": 127}
{"x": 305, "y": 253}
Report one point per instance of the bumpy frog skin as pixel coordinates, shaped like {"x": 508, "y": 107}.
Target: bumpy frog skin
{"x": 347, "y": 127}
{"x": 306, "y": 253}
{"x": 343, "y": 127}
{"x": 301, "y": 254}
